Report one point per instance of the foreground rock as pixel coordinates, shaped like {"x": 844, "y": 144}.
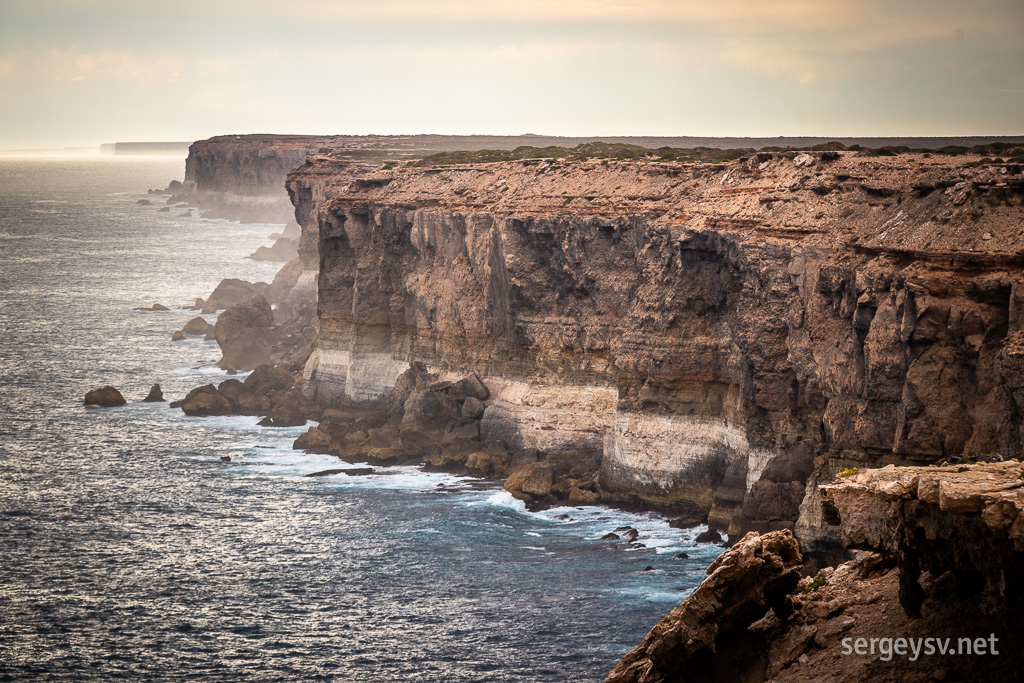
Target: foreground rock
{"x": 963, "y": 519}
{"x": 701, "y": 638}
{"x": 939, "y": 559}
{"x": 104, "y": 397}
{"x": 155, "y": 395}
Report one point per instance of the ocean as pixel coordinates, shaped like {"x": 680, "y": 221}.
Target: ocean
{"x": 130, "y": 549}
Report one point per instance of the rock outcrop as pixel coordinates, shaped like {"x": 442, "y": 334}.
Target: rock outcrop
{"x": 245, "y": 333}
{"x": 960, "y": 519}
{"x": 268, "y": 391}
{"x": 104, "y": 397}
{"x": 282, "y": 250}
{"x": 155, "y": 395}
{"x": 706, "y": 637}
{"x": 716, "y": 338}
{"x": 230, "y": 292}
{"x": 933, "y": 593}
{"x": 198, "y": 326}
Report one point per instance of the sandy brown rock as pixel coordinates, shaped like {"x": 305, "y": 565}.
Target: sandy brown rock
{"x": 703, "y": 638}
{"x": 104, "y": 397}
{"x": 204, "y": 401}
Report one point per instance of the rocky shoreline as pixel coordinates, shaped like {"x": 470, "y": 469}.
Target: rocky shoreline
{"x": 718, "y": 341}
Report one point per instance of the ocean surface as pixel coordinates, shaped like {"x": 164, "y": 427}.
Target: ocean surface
{"x": 129, "y": 549}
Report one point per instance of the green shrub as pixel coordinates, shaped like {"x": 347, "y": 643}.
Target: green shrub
{"x": 816, "y": 584}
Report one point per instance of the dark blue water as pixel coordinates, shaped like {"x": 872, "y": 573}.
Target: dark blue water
{"x": 129, "y": 549}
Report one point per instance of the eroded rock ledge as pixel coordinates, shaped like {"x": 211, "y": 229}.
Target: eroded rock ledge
{"x": 940, "y": 557}
{"x": 961, "y": 519}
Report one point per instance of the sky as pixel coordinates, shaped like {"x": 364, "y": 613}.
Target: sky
{"x": 81, "y": 72}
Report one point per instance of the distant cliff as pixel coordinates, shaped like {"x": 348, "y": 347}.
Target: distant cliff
{"x": 241, "y": 177}
{"x": 720, "y": 337}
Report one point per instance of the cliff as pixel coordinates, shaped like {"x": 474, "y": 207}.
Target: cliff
{"x": 241, "y": 177}
{"x": 933, "y": 594}
{"x": 717, "y": 338}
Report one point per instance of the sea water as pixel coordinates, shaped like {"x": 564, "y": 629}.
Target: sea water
{"x": 129, "y": 548}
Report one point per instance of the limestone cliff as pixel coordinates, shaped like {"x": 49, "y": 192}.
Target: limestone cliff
{"x": 720, "y": 337}
{"x": 934, "y": 592}
{"x": 241, "y": 177}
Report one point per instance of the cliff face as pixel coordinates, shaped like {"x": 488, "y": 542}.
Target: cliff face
{"x": 938, "y": 568}
{"x": 241, "y": 177}
{"x": 719, "y": 337}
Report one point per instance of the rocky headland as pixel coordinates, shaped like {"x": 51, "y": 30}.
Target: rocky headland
{"x": 714, "y": 334}
{"x": 711, "y": 339}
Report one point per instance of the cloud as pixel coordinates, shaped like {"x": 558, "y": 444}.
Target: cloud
{"x": 73, "y": 66}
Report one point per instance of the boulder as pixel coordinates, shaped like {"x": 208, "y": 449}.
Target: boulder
{"x": 143, "y": 202}
{"x": 284, "y": 281}
{"x": 154, "y": 307}
{"x": 244, "y": 334}
{"x": 231, "y": 292}
{"x": 709, "y": 536}
{"x": 489, "y": 458}
{"x": 204, "y": 400}
{"x": 156, "y": 395}
{"x": 177, "y": 336}
{"x": 315, "y": 440}
{"x": 104, "y": 397}
{"x": 578, "y": 496}
{"x": 530, "y": 481}
{"x": 198, "y": 326}
{"x": 469, "y": 387}
{"x": 426, "y": 414}
{"x": 231, "y": 389}
{"x": 267, "y": 378}
{"x": 700, "y": 639}
{"x": 288, "y": 410}
{"x": 473, "y": 408}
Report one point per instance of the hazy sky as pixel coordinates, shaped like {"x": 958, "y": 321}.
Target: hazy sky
{"x": 80, "y": 72}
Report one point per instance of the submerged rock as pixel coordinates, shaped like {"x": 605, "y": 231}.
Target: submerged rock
{"x": 324, "y": 473}
{"x": 177, "y": 336}
{"x": 104, "y": 397}
{"x": 154, "y": 307}
{"x": 156, "y": 395}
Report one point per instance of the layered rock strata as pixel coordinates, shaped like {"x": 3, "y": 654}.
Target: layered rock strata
{"x": 716, "y": 338}
{"x": 934, "y": 592}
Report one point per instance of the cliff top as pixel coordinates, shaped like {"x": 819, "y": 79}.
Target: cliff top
{"x": 910, "y": 205}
